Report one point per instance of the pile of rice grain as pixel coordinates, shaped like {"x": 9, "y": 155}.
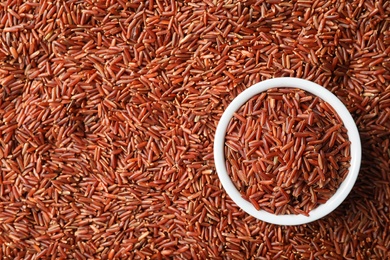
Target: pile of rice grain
{"x": 108, "y": 111}
{"x": 287, "y": 151}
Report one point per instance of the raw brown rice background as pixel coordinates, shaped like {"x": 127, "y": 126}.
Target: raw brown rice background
{"x": 108, "y": 111}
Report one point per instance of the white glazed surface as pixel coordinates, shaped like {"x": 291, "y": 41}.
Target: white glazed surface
{"x": 353, "y": 135}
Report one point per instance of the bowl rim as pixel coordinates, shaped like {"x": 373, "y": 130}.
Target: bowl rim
{"x": 353, "y": 136}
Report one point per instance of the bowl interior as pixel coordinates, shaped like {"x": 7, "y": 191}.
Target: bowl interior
{"x": 353, "y": 136}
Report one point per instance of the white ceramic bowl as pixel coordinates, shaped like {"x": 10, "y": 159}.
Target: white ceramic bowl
{"x": 353, "y": 135}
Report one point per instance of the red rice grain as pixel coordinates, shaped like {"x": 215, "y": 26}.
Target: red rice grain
{"x": 108, "y": 111}
{"x": 295, "y": 126}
